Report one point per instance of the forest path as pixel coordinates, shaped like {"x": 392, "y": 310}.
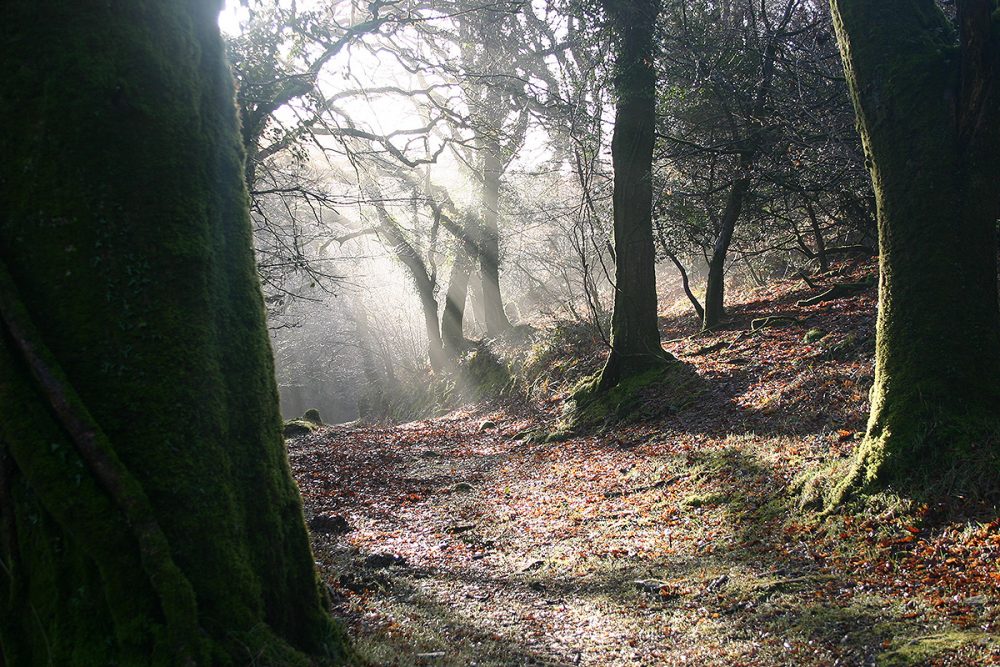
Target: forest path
{"x": 663, "y": 545}
{"x": 673, "y": 540}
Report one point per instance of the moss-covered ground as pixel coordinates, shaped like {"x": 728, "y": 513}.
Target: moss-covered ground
{"x": 679, "y": 538}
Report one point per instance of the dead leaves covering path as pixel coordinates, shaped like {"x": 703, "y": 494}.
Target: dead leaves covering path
{"x": 576, "y": 553}
{"x": 666, "y": 543}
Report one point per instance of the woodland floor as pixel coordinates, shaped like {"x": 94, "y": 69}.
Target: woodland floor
{"x": 672, "y": 540}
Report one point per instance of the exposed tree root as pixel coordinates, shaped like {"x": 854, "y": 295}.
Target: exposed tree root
{"x": 772, "y": 321}
{"x": 709, "y": 349}
{"x": 838, "y": 291}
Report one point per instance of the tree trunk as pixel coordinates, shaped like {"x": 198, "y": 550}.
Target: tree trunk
{"x": 148, "y": 513}
{"x": 685, "y": 282}
{"x": 635, "y": 334}
{"x": 821, "y": 255}
{"x": 716, "y": 285}
{"x": 429, "y": 309}
{"x": 452, "y": 319}
{"x": 475, "y": 306}
{"x": 927, "y": 113}
{"x": 423, "y": 282}
{"x": 715, "y": 288}
{"x": 489, "y": 261}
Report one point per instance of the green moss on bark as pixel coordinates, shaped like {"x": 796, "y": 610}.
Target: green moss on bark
{"x": 920, "y": 93}
{"x": 125, "y": 233}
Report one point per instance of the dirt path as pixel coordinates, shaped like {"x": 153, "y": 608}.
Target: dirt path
{"x": 673, "y": 541}
{"x": 467, "y": 546}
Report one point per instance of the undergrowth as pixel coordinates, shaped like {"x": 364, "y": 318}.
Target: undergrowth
{"x": 533, "y": 367}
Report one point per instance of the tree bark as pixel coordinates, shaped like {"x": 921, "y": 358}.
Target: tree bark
{"x": 635, "y": 335}
{"x": 489, "y": 261}
{"x": 927, "y": 104}
{"x": 821, "y": 254}
{"x": 452, "y": 320}
{"x": 423, "y": 282}
{"x": 716, "y": 285}
{"x": 149, "y": 514}
{"x": 685, "y": 282}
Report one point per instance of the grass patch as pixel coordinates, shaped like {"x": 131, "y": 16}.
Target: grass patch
{"x": 486, "y": 374}
{"x": 561, "y": 356}
{"x": 921, "y": 650}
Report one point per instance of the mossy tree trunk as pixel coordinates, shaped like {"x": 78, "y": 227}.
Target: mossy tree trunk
{"x": 149, "y": 516}
{"x": 928, "y": 106}
{"x": 635, "y": 335}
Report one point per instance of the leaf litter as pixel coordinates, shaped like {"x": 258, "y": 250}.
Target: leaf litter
{"x": 671, "y": 541}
